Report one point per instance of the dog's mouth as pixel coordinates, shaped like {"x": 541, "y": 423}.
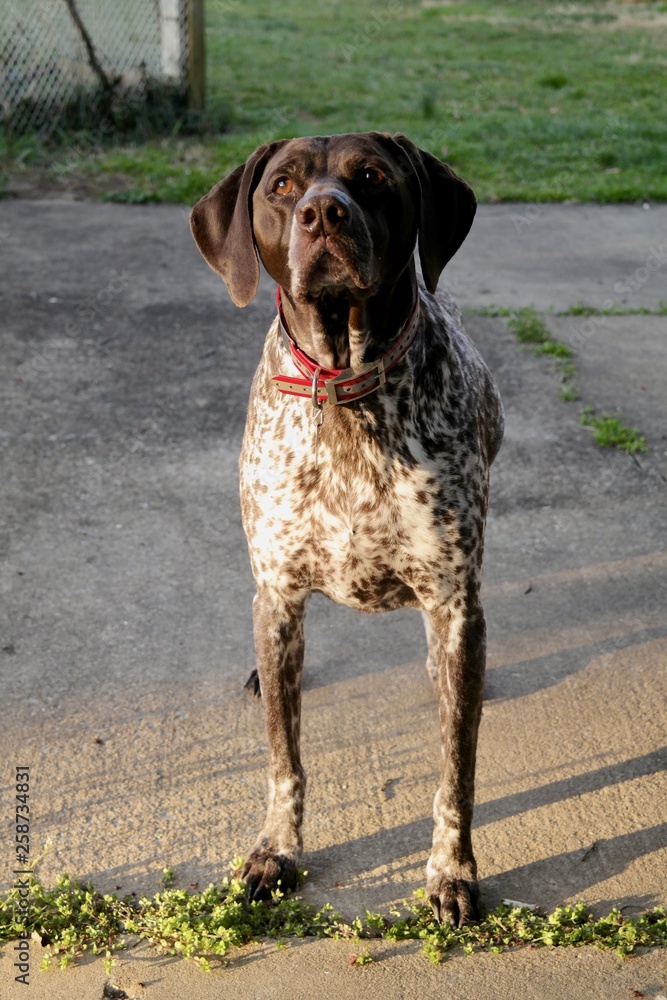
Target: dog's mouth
{"x": 331, "y": 274}
{"x": 333, "y": 268}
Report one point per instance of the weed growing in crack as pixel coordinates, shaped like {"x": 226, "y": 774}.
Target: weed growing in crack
{"x": 609, "y": 432}
{"x": 531, "y": 330}
{"x": 615, "y": 309}
{"x": 72, "y": 919}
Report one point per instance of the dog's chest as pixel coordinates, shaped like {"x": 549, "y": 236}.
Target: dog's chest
{"x": 362, "y": 526}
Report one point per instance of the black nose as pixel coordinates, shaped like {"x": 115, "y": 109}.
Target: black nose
{"x": 322, "y": 212}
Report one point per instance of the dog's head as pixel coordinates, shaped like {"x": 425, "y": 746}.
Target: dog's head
{"x": 337, "y": 215}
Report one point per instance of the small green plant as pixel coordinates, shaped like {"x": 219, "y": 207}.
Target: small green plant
{"x": 108, "y": 965}
{"x": 528, "y": 326}
{"x": 72, "y": 919}
{"x": 556, "y": 348}
{"x": 609, "y": 432}
{"x": 581, "y": 308}
{"x": 130, "y": 197}
{"x": 615, "y": 309}
{"x": 491, "y": 310}
{"x": 531, "y": 329}
{"x": 553, "y": 80}
{"x": 168, "y": 878}
{"x": 568, "y": 376}
{"x": 428, "y": 102}
{"x": 361, "y": 959}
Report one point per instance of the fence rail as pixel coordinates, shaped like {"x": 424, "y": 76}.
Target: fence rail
{"x": 57, "y": 54}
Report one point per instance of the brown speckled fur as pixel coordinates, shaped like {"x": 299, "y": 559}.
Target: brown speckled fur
{"x": 391, "y": 512}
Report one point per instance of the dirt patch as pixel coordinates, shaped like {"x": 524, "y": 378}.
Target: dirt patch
{"x": 38, "y": 183}
{"x": 635, "y": 14}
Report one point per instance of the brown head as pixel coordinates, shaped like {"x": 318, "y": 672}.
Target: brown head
{"x": 334, "y": 219}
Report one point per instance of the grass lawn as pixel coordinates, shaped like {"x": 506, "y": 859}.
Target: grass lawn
{"x": 535, "y": 102}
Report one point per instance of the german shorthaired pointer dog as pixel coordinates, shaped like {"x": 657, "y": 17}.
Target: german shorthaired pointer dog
{"x": 371, "y": 427}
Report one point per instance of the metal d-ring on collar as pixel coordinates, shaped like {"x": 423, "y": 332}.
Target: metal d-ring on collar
{"x": 317, "y": 406}
{"x": 335, "y": 385}
{"x": 318, "y": 412}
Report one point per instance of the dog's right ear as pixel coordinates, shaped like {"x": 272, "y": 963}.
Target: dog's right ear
{"x": 221, "y": 223}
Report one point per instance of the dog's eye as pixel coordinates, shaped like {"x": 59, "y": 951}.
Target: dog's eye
{"x": 283, "y": 185}
{"x": 372, "y": 176}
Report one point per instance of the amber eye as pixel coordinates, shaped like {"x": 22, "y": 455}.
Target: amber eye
{"x": 283, "y": 186}
{"x": 372, "y": 176}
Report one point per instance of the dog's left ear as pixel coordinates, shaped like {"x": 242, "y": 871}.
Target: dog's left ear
{"x": 447, "y": 210}
{"x": 221, "y": 223}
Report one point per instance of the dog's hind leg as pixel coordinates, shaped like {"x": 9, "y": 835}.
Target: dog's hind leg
{"x": 252, "y": 685}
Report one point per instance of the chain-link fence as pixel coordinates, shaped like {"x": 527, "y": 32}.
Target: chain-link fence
{"x": 60, "y": 58}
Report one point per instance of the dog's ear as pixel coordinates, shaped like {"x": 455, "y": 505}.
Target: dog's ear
{"x": 221, "y": 223}
{"x": 447, "y": 210}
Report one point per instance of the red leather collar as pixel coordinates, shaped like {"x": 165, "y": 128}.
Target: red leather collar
{"x": 337, "y": 385}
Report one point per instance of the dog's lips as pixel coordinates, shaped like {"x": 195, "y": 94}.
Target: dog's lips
{"x": 334, "y": 265}
{"x": 329, "y": 272}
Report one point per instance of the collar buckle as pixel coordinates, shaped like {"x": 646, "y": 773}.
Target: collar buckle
{"x": 356, "y": 383}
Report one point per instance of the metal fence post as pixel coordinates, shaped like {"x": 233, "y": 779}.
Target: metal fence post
{"x": 196, "y": 56}
{"x": 172, "y": 40}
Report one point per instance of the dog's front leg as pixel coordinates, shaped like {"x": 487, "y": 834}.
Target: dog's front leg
{"x": 278, "y": 626}
{"x": 452, "y": 872}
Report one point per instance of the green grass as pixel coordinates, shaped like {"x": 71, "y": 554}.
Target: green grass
{"x": 73, "y": 919}
{"x": 533, "y": 102}
{"x": 568, "y": 392}
{"x": 528, "y": 326}
{"x": 616, "y": 309}
{"x": 579, "y": 309}
{"x": 609, "y": 432}
{"x": 531, "y": 329}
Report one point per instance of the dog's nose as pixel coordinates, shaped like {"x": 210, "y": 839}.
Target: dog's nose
{"x": 322, "y": 212}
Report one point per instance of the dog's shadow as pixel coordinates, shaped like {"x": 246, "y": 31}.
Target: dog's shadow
{"x": 547, "y": 882}
{"x": 351, "y": 868}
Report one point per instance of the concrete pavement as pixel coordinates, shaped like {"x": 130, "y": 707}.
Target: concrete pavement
{"x": 126, "y": 633}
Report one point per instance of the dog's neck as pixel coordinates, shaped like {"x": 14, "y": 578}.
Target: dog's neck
{"x": 339, "y": 331}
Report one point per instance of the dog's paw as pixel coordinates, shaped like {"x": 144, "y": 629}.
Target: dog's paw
{"x": 454, "y": 900}
{"x": 264, "y": 870}
{"x": 252, "y": 685}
